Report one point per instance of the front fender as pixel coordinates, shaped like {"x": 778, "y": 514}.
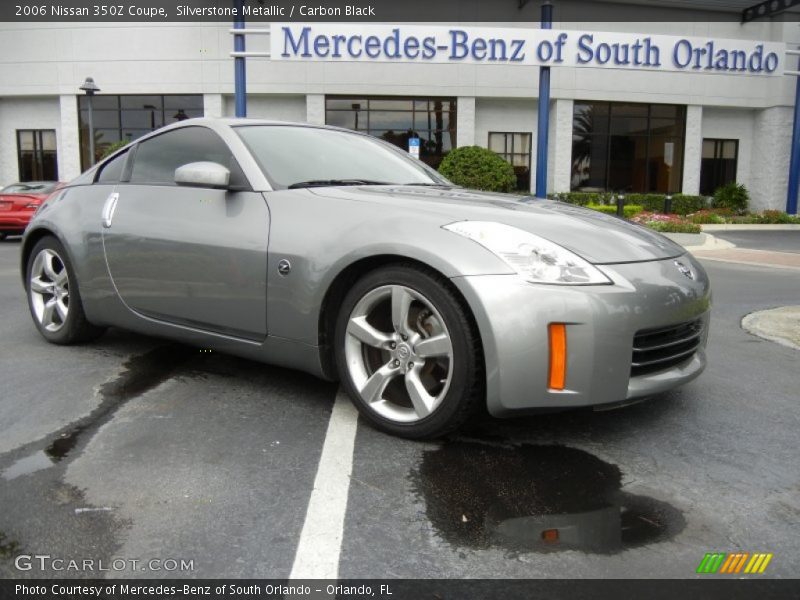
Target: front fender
{"x": 321, "y": 237}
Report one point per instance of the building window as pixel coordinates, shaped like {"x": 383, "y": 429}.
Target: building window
{"x": 36, "y": 155}
{"x": 718, "y": 165}
{"x": 516, "y": 149}
{"x": 627, "y": 147}
{"x": 118, "y": 118}
{"x": 395, "y": 120}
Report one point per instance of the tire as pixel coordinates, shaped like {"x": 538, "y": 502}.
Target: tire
{"x": 53, "y": 295}
{"x": 418, "y": 377}
{"x": 3, "y": 236}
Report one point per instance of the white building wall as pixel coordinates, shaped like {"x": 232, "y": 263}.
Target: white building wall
{"x": 465, "y": 121}
{"x": 213, "y": 105}
{"x": 25, "y": 113}
{"x": 692, "y": 150}
{"x": 315, "y": 109}
{"x": 734, "y": 124}
{"x": 69, "y": 153}
{"x": 506, "y": 114}
{"x": 171, "y": 58}
{"x": 279, "y": 108}
{"x": 559, "y": 160}
{"x": 769, "y": 175}
{"x": 52, "y": 59}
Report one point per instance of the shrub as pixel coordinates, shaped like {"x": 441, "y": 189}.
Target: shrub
{"x": 629, "y": 210}
{"x": 706, "y": 217}
{"x": 582, "y": 198}
{"x": 479, "y": 169}
{"x": 733, "y": 196}
{"x": 666, "y": 223}
{"x": 778, "y": 217}
{"x": 673, "y": 227}
{"x": 111, "y": 148}
{"x": 682, "y": 204}
{"x": 649, "y": 202}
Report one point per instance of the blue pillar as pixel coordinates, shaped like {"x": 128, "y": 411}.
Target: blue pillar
{"x": 240, "y": 72}
{"x": 544, "y": 113}
{"x": 794, "y": 161}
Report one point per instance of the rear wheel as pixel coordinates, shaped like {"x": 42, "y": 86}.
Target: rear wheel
{"x": 407, "y": 353}
{"x": 53, "y": 295}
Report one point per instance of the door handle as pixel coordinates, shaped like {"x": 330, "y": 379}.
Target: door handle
{"x": 108, "y": 209}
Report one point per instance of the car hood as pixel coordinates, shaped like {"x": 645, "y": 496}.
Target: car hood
{"x": 598, "y": 238}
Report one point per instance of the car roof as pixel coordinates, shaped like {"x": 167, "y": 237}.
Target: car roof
{"x": 227, "y": 122}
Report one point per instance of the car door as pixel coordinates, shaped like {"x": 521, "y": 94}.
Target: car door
{"x": 192, "y": 256}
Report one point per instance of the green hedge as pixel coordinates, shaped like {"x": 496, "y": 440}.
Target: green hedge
{"x": 682, "y": 204}
{"x": 671, "y": 227}
{"x": 629, "y": 210}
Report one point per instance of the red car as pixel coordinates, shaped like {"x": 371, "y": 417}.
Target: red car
{"x": 19, "y": 201}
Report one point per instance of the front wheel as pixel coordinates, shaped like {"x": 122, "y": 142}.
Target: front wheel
{"x": 408, "y": 354}
{"x": 53, "y": 295}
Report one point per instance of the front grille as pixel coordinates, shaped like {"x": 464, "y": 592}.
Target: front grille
{"x": 664, "y": 347}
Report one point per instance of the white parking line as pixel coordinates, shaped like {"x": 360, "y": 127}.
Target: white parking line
{"x": 317, "y": 554}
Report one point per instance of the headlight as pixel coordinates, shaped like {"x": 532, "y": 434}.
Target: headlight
{"x": 536, "y": 259}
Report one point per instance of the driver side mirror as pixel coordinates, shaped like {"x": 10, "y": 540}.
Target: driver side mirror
{"x": 203, "y": 174}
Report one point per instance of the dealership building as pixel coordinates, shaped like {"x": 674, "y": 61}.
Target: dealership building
{"x": 649, "y": 123}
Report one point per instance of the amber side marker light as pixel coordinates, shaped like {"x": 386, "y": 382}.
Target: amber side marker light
{"x": 558, "y": 356}
{"x": 550, "y": 535}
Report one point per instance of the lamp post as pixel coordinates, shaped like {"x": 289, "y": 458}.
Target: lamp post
{"x": 152, "y": 108}
{"x": 90, "y": 88}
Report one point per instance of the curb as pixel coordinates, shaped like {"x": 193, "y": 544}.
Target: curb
{"x": 707, "y": 242}
{"x": 780, "y": 325}
{"x": 750, "y": 227}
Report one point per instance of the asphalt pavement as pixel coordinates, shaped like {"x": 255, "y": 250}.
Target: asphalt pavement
{"x": 136, "y": 449}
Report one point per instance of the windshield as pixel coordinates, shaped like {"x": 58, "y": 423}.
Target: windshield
{"x": 30, "y": 187}
{"x": 292, "y": 156}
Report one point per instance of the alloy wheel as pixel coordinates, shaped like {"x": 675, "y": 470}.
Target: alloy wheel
{"x": 49, "y": 290}
{"x": 399, "y": 353}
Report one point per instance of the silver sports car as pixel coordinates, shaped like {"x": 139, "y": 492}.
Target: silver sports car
{"x": 333, "y": 252}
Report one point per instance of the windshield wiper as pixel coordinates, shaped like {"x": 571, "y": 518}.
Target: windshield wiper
{"x": 333, "y": 182}
{"x": 429, "y": 184}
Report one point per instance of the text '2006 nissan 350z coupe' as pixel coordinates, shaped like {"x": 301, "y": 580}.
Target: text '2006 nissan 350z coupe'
{"x": 336, "y": 253}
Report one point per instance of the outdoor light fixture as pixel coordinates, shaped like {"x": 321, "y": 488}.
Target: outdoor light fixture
{"x": 90, "y": 88}
{"x": 152, "y": 108}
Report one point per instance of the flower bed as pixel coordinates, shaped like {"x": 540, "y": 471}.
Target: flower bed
{"x": 665, "y": 223}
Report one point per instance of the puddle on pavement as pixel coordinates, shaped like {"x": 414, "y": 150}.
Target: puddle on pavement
{"x": 8, "y": 548}
{"x": 536, "y": 498}
{"x": 141, "y": 373}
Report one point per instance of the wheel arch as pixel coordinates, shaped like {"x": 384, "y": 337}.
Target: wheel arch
{"x": 30, "y": 240}
{"x": 339, "y": 286}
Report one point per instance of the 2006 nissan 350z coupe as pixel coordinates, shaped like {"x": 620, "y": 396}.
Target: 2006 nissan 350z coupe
{"x": 336, "y": 253}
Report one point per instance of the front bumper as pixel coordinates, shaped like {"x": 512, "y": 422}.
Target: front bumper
{"x": 513, "y": 315}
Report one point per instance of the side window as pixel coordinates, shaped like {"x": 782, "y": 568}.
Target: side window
{"x": 157, "y": 158}
{"x": 112, "y": 170}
